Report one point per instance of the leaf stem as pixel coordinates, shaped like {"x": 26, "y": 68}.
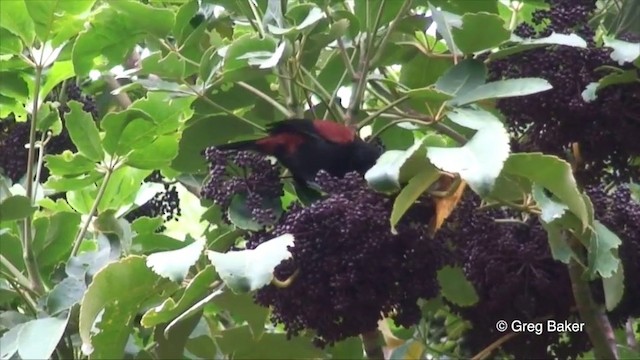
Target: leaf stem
{"x": 587, "y": 307}
{"x": 17, "y": 274}
{"x": 376, "y": 113}
{"x": 31, "y": 304}
{"x": 94, "y": 208}
{"x": 256, "y": 15}
{"x": 385, "y": 39}
{"x": 222, "y": 108}
{"x": 27, "y": 252}
{"x": 266, "y": 98}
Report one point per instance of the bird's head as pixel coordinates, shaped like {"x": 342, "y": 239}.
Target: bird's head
{"x": 364, "y": 155}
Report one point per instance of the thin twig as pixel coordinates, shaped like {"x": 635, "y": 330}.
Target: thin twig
{"x": 256, "y": 15}
{"x": 17, "y": 274}
{"x": 121, "y": 97}
{"x": 385, "y": 39}
{"x": 376, "y": 113}
{"x": 31, "y": 304}
{"x": 266, "y": 98}
{"x": 27, "y": 251}
{"x": 94, "y": 208}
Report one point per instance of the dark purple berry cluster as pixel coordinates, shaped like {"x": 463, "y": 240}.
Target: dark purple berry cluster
{"x": 243, "y": 173}
{"x": 621, "y": 214}
{"x": 15, "y": 135}
{"x": 351, "y": 269}
{"x": 165, "y": 203}
{"x": 510, "y": 266}
{"x": 552, "y": 120}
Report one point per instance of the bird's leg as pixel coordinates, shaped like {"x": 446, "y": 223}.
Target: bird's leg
{"x": 451, "y": 181}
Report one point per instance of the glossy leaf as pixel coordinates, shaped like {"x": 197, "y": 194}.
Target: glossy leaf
{"x": 480, "y": 31}
{"x": 249, "y": 270}
{"x": 603, "y": 246}
{"x": 479, "y": 161}
{"x": 39, "y": 338}
{"x": 16, "y": 207}
{"x": 84, "y": 132}
{"x": 175, "y": 264}
{"x": 455, "y": 286}
{"x": 502, "y": 89}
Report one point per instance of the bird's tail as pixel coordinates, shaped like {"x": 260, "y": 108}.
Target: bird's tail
{"x": 239, "y": 145}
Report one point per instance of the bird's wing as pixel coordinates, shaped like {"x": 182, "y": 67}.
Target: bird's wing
{"x": 319, "y": 129}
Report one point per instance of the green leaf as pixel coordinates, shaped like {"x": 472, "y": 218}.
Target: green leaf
{"x": 57, "y": 73}
{"x": 60, "y": 184}
{"x": 613, "y": 288}
{"x": 455, "y": 286}
{"x": 551, "y": 210}
{"x": 170, "y": 309}
{"x": 126, "y": 130}
{"x": 9, "y": 342}
{"x": 82, "y": 200}
{"x": 603, "y": 246}
{"x": 57, "y": 19}
{"x": 10, "y": 44}
{"x": 245, "y": 48}
{"x": 83, "y": 131}
{"x": 15, "y": 18}
{"x": 249, "y": 270}
{"x": 175, "y": 264}
{"x": 396, "y": 167}
{"x": 16, "y": 207}
{"x": 119, "y": 289}
{"x": 239, "y": 341}
{"x": 14, "y": 84}
{"x": 148, "y": 19}
{"x": 444, "y": 22}
{"x": 172, "y": 341}
{"x": 623, "y": 51}
{"x": 367, "y": 11}
{"x": 460, "y": 79}
{"x": 49, "y": 118}
{"x": 243, "y": 308}
{"x": 39, "y": 338}
{"x": 65, "y": 294}
{"x": 553, "y": 174}
{"x": 168, "y": 114}
{"x": 11, "y": 249}
{"x": 502, "y": 89}
{"x": 410, "y": 193}
{"x": 112, "y": 35}
{"x": 479, "y": 161}
{"x": 52, "y": 244}
{"x": 122, "y": 188}
{"x": 171, "y": 66}
{"x": 146, "y": 225}
{"x": 69, "y": 164}
{"x": 529, "y": 44}
{"x": 480, "y": 31}
{"x": 558, "y": 242}
{"x": 157, "y": 154}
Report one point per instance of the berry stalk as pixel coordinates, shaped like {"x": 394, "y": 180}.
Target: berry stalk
{"x": 27, "y": 253}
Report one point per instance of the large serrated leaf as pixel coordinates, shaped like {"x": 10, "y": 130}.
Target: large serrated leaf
{"x": 175, "y": 264}
{"x": 249, "y": 270}
{"x": 603, "y": 247}
{"x": 555, "y": 175}
{"x": 479, "y": 161}
{"x": 502, "y": 89}
{"x": 83, "y": 131}
{"x": 396, "y": 167}
{"x": 117, "y": 292}
{"x": 455, "y": 286}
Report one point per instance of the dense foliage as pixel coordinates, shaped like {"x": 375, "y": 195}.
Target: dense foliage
{"x": 508, "y": 189}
